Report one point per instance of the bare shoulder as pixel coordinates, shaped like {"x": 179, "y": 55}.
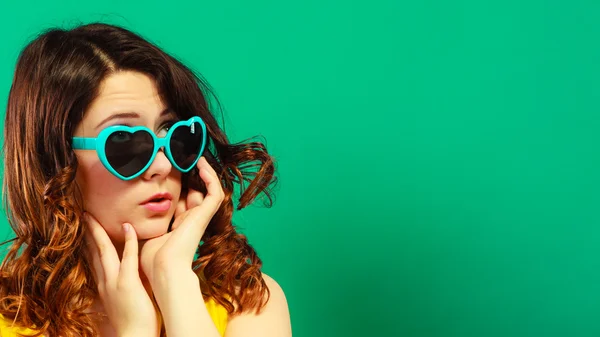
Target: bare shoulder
{"x": 277, "y": 293}
{"x": 273, "y": 320}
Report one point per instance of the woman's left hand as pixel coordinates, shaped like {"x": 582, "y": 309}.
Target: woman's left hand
{"x": 174, "y": 251}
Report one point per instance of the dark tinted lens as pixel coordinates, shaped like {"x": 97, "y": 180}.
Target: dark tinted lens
{"x": 185, "y": 144}
{"x": 127, "y": 152}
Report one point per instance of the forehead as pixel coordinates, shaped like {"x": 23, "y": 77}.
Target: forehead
{"x": 125, "y": 91}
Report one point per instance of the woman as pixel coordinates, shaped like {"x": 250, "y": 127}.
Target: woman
{"x": 115, "y": 170}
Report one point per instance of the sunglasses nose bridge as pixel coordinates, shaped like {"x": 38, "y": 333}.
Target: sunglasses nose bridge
{"x": 161, "y": 146}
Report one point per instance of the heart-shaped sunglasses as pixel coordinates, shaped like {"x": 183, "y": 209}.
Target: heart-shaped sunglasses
{"x": 128, "y": 151}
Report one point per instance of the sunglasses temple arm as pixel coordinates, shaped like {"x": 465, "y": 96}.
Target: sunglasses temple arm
{"x": 81, "y": 143}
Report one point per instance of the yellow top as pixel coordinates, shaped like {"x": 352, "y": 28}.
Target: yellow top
{"x": 217, "y": 312}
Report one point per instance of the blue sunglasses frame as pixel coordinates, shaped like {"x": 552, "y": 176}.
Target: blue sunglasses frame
{"x": 99, "y": 144}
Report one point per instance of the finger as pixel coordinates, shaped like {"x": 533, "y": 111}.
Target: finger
{"x": 204, "y": 163}
{"x": 109, "y": 259}
{"x": 214, "y": 189}
{"x": 204, "y": 211}
{"x": 189, "y": 232}
{"x": 194, "y": 198}
{"x": 181, "y": 204}
{"x": 129, "y": 263}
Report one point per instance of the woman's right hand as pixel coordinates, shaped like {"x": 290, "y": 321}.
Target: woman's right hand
{"x": 125, "y": 300}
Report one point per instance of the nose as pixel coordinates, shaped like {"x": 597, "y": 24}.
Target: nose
{"x": 160, "y": 167}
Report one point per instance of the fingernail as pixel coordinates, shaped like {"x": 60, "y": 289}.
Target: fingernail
{"x": 126, "y": 227}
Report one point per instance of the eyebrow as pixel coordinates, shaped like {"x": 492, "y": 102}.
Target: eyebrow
{"x": 131, "y": 114}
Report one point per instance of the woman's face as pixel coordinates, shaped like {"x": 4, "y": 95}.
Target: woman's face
{"x": 127, "y": 98}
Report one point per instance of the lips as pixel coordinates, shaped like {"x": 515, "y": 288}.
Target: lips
{"x": 158, "y": 197}
{"x": 159, "y": 203}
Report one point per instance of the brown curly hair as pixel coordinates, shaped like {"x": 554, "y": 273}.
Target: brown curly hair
{"x": 45, "y": 280}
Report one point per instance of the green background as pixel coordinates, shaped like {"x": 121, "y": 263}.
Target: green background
{"x": 438, "y": 160}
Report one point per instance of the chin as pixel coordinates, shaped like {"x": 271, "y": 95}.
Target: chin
{"x": 152, "y": 228}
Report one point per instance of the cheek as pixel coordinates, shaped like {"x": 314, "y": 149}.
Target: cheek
{"x": 102, "y": 194}
{"x": 96, "y": 182}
